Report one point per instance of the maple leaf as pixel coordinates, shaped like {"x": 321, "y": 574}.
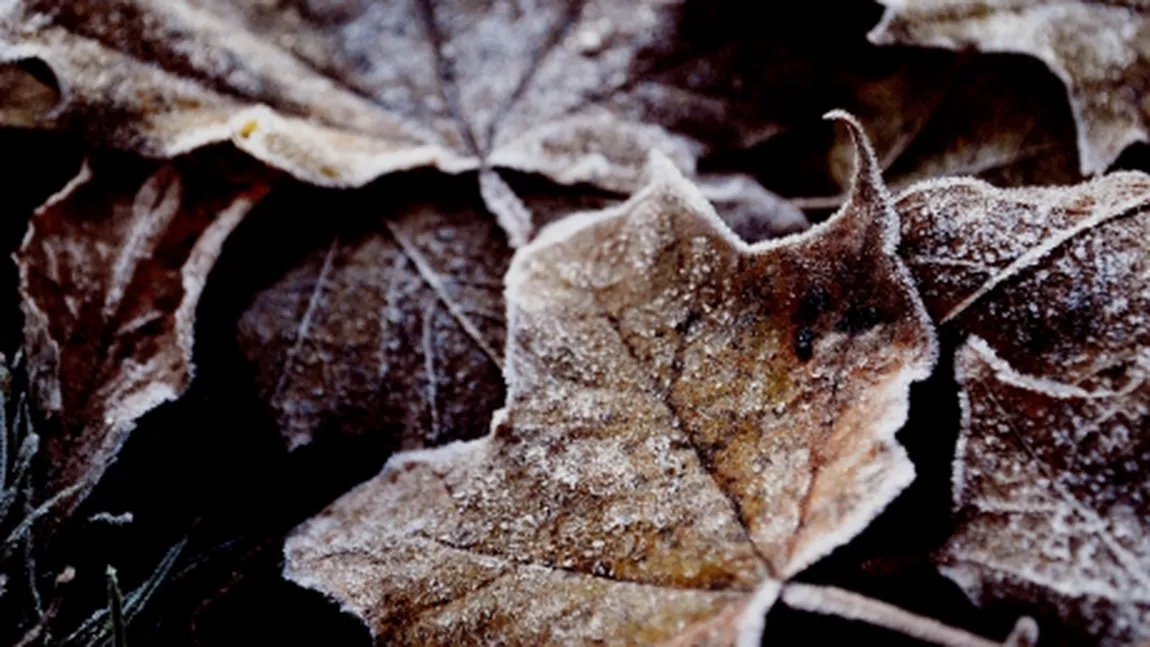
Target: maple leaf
{"x": 342, "y": 93}
{"x": 111, "y": 271}
{"x": 690, "y": 422}
{"x": 1050, "y": 474}
{"x": 1097, "y": 49}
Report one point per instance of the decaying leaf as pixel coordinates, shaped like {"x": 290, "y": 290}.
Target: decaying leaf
{"x": 339, "y": 93}
{"x": 690, "y": 422}
{"x": 110, "y": 274}
{"x": 395, "y": 323}
{"x": 1053, "y": 498}
{"x": 1051, "y": 277}
{"x": 1052, "y": 471}
{"x": 1100, "y": 50}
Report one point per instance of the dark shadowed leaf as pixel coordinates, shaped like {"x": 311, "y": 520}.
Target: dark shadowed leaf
{"x": 110, "y": 274}
{"x": 1100, "y": 50}
{"x": 393, "y": 323}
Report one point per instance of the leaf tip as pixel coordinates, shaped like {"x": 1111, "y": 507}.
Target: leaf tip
{"x": 866, "y": 162}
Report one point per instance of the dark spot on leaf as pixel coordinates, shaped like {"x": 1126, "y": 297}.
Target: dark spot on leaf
{"x": 804, "y": 343}
{"x": 812, "y": 305}
{"x": 688, "y": 322}
{"x": 858, "y": 319}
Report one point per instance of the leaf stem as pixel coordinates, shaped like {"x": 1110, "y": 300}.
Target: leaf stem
{"x": 834, "y": 601}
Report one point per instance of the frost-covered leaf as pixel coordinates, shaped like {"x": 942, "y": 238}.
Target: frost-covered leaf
{"x": 1052, "y": 278}
{"x": 1100, "y": 50}
{"x": 110, "y": 274}
{"x": 1053, "y": 499}
{"x": 339, "y": 92}
{"x": 1051, "y": 476}
{"x": 392, "y": 323}
{"x": 690, "y": 421}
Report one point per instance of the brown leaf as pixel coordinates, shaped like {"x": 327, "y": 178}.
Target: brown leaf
{"x": 690, "y": 421}
{"x": 1044, "y": 275}
{"x": 1099, "y": 50}
{"x": 1053, "y": 498}
{"x": 338, "y": 93}
{"x": 110, "y": 274}
{"x": 1050, "y": 474}
{"x": 996, "y": 117}
{"x": 396, "y": 321}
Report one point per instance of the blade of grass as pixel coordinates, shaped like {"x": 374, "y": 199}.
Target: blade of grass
{"x": 116, "y": 610}
{"x": 95, "y": 630}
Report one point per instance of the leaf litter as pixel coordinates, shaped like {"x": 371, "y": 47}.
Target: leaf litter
{"x": 653, "y": 376}
{"x": 646, "y": 481}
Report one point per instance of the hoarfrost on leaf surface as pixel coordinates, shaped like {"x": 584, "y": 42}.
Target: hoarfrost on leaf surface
{"x": 690, "y": 421}
{"x": 342, "y": 92}
{"x": 1053, "y": 498}
{"x": 1051, "y": 474}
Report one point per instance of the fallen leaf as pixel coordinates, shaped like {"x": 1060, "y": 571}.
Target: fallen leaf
{"x": 1050, "y": 473}
{"x": 1052, "y": 498}
{"x": 392, "y": 322}
{"x": 111, "y": 271}
{"x": 996, "y": 117}
{"x": 1099, "y": 50}
{"x": 1043, "y": 274}
{"x": 339, "y": 93}
{"x": 690, "y": 422}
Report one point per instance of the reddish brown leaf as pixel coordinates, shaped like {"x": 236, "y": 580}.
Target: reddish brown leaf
{"x": 110, "y": 274}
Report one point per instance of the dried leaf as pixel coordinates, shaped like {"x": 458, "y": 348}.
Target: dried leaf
{"x": 394, "y": 322}
{"x": 110, "y": 274}
{"x": 1044, "y": 275}
{"x": 1053, "y": 498}
{"x": 1051, "y": 476}
{"x": 340, "y": 92}
{"x": 1099, "y": 50}
{"x": 690, "y": 421}
{"x": 997, "y": 117}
